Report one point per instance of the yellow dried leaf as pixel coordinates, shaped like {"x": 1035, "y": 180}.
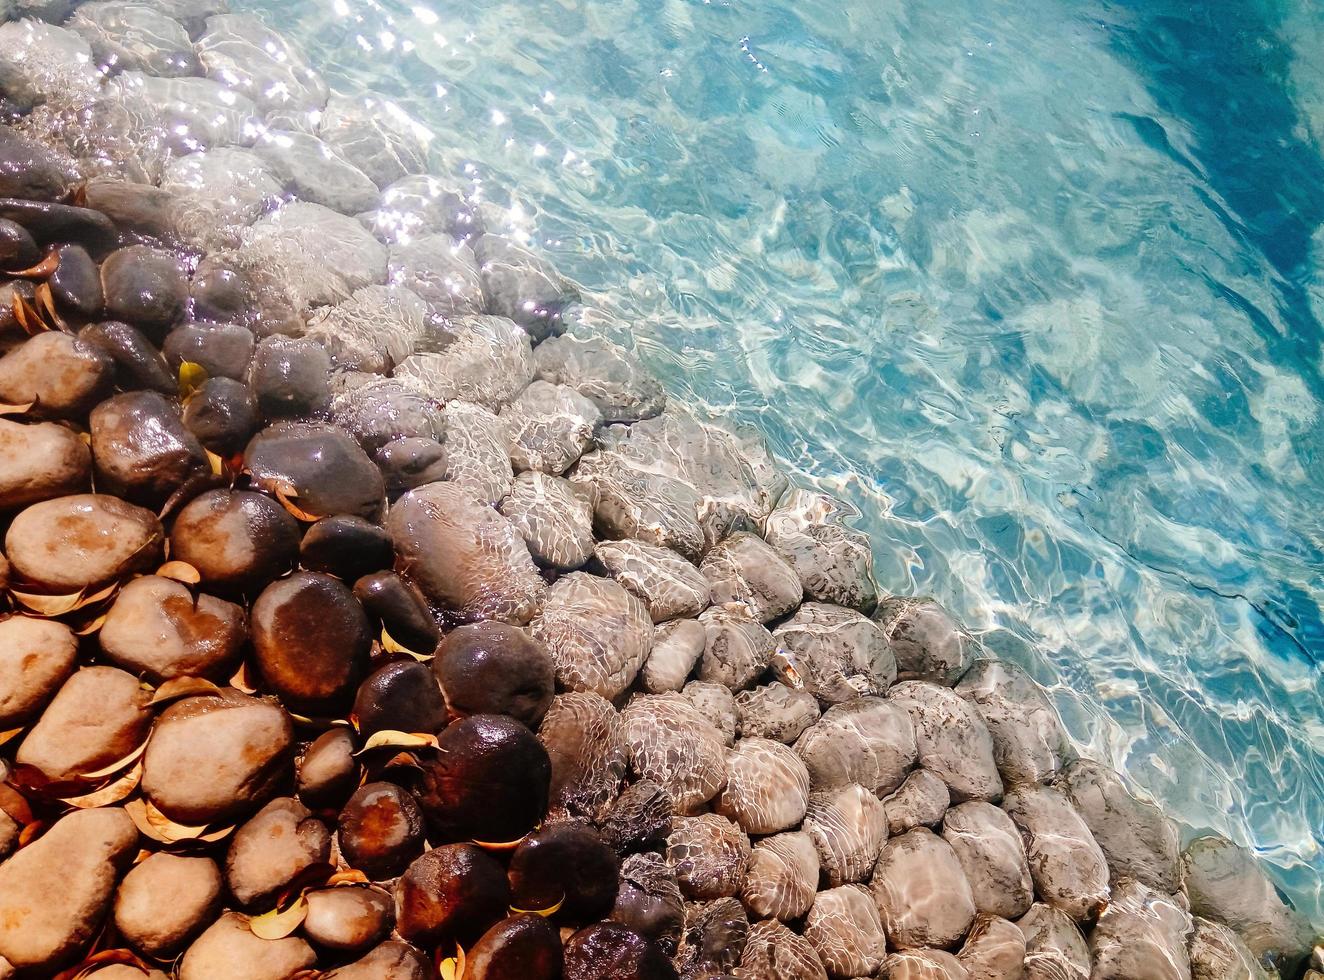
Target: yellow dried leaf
{"x": 451, "y": 967}
{"x": 499, "y": 846}
{"x": 157, "y": 825}
{"x": 8, "y": 409}
{"x": 112, "y": 792}
{"x": 180, "y": 571}
{"x": 546, "y": 913}
{"x": 48, "y": 605}
{"x": 398, "y": 740}
{"x": 242, "y": 680}
{"x": 279, "y": 923}
{"x": 217, "y": 464}
{"x": 10, "y": 735}
{"x": 15, "y": 804}
{"x": 116, "y": 766}
{"x": 350, "y": 876}
{"x": 184, "y": 687}
{"x": 92, "y": 626}
{"x": 286, "y": 494}
{"x": 192, "y": 376}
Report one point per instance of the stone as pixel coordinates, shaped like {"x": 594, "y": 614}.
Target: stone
{"x": 97, "y": 717}
{"x": 673, "y": 745}
{"x": 845, "y": 930}
{"x": 869, "y": 741}
{"x": 952, "y": 739}
{"x": 138, "y": 364}
{"x": 649, "y": 900}
{"x": 549, "y": 427}
{"x": 376, "y": 135}
{"x": 145, "y": 286}
{"x": 1029, "y": 743}
{"x": 311, "y": 255}
{"x": 848, "y": 827}
{"x": 767, "y": 787}
{"x": 55, "y": 892}
{"x": 133, "y": 37}
{"x": 348, "y": 920}
{"x": 476, "y": 456}
{"x": 62, "y": 375}
{"x": 259, "y": 63}
{"x": 82, "y": 541}
{"x": 223, "y": 415}
{"x": 30, "y": 169}
{"x": 274, "y": 847}
{"x": 422, "y": 205}
{"x": 166, "y": 900}
{"x": 18, "y": 250}
{"x": 709, "y": 855}
{"x": 36, "y": 658}
{"x": 318, "y": 467}
{"x": 608, "y": 375}
{"x": 194, "y": 113}
{"x": 928, "y": 644}
{"x": 464, "y": 555}
{"x": 389, "y": 961}
{"x": 381, "y": 830}
{"x": 716, "y": 703}
{"x": 401, "y": 609}
{"x": 554, "y": 516}
{"x": 401, "y": 695}
{"x": 834, "y": 653}
{"x": 345, "y": 546}
{"x": 715, "y": 937}
{"x": 76, "y": 282}
{"x": 139, "y": 208}
{"x": 922, "y": 893}
{"x": 214, "y": 758}
{"x": 1217, "y": 953}
{"x": 289, "y": 376}
{"x": 42, "y": 61}
{"x": 833, "y": 560}
{"x": 374, "y": 330}
{"x": 40, "y": 461}
{"x": 236, "y": 539}
{"x": 452, "y": 893}
{"x": 159, "y": 629}
{"x": 520, "y": 285}
{"x": 920, "y": 801}
{"x": 639, "y": 818}
{"x": 218, "y": 192}
{"x": 1054, "y": 946}
{"x": 228, "y": 950}
{"x": 222, "y": 349}
{"x": 1069, "y": 869}
{"x": 773, "y": 952}
{"x": 994, "y": 949}
{"x": 328, "y": 773}
{"x": 597, "y": 634}
{"x": 774, "y": 711}
{"x": 377, "y": 411}
{"x": 781, "y": 876}
{"x": 745, "y": 569}
{"x": 585, "y": 739}
{"x": 677, "y": 646}
{"x": 444, "y": 274}
{"x": 665, "y": 582}
{"x": 50, "y": 224}
{"x": 141, "y": 448}
{"x": 990, "y": 850}
{"x": 1140, "y": 933}
{"x": 409, "y": 463}
{"x": 923, "y": 964}
{"x": 316, "y": 172}
{"x": 737, "y": 647}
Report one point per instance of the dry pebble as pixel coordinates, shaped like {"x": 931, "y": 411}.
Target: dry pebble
{"x": 327, "y": 772}
{"x": 348, "y": 920}
{"x": 40, "y": 461}
{"x": 166, "y": 900}
{"x": 278, "y": 844}
{"x": 61, "y": 376}
{"x": 99, "y": 716}
{"x": 236, "y": 539}
{"x": 36, "y": 658}
{"x": 228, "y": 950}
{"x": 157, "y": 628}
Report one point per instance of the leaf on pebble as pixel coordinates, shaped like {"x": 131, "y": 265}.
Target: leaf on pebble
{"x": 391, "y": 645}
{"x": 15, "y": 804}
{"x": 192, "y": 376}
{"x": 217, "y": 464}
{"x": 10, "y": 735}
{"x": 103, "y": 958}
{"x": 46, "y": 302}
{"x": 279, "y": 923}
{"x": 41, "y": 270}
{"x": 499, "y": 846}
{"x": 180, "y": 571}
{"x": 116, "y": 766}
{"x": 397, "y": 740}
{"x": 91, "y": 626}
{"x": 23, "y": 409}
{"x": 112, "y": 792}
{"x": 546, "y": 913}
{"x": 49, "y": 605}
{"x": 31, "y": 832}
{"x": 184, "y": 687}
{"x": 242, "y": 680}
{"x": 159, "y": 827}
{"x": 350, "y": 876}
{"x": 286, "y": 494}
{"x": 451, "y": 967}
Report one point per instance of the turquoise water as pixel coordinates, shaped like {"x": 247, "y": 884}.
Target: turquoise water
{"x": 1037, "y": 285}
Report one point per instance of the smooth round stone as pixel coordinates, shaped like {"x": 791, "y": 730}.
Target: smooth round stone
{"x": 165, "y": 901}
{"x": 767, "y": 787}
{"x": 411, "y": 462}
{"x": 549, "y": 427}
{"x": 610, "y": 951}
{"x": 709, "y": 854}
{"x": 229, "y": 950}
{"x": 1141, "y": 933}
{"x": 476, "y": 456}
{"x": 677, "y": 646}
{"x": 1029, "y": 743}
{"x": 389, "y": 961}
{"x": 17, "y": 249}
{"x": 464, "y": 555}
{"x": 523, "y": 946}
{"x": 213, "y": 758}
{"x": 348, "y": 919}
{"x": 319, "y": 467}
{"x": 381, "y": 830}
{"x": 62, "y": 375}
{"x": 445, "y": 274}
{"x": 745, "y": 569}
{"x": 920, "y": 801}
{"x": 279, "y": 843}
{"x": 994, "y": 949}
{"x": 221, "y": 294}
{"x": 833, "y": 560}
{"x": 223, "y": 415}
{"x": 775, "y": 711}
{"x": 138, "y": 208}
{"x": 400, "y": 696}
{"x": 489, "y": 781}
{"x": 36, "y": 658}
{"x": 673, "y": 745}
{"x": 639, "y": 818}
{"x": 141, "y": 447}
{"x": 76, "y": 282}
{"x": 345, "y": 546}
{"x": 135, "y": 37}
{"x": 377, "y": 411}
{"x": 290, "y": 376}
{"x": 845, "y": 930}
{"x": 567, "y": 867}
{"x": 158, "y": 628}
{"x": 773, "y": 952}
{"x": 847, "y": 826}
{"x": 50, "y": 223}
{"x": 649, "y": 900}
{"x": 55, "y": 892}
{"x": 145, "y": 286}
{"x": 520, "y": 285}
{"x": 834, "y": 653}
{"x": 317, "y": 172}
{"x": 555, "y": 518}
{"x": 952, "y": 739}
{"x": 222, "y": 349}
{"x": 928, "y": 964}
{"x": 922, "y": 892}
{"x": 312, "y": 640}
{"x": 100, "y": 715}
{"x": 328, "y": 772}
{"x": 715, "y": 937}
{"x": 452, "y": 893}
{"x": 494, "y": 668}
{"x": 990, "y": 850}
{"x": 1054, "y": 945}
{"x": 585, "y": 741}
{"x": 737, "y": 648}
{"x": 869, "y": 741}
{"x": 40, "y": 461}
{"x": 605, "y": 373}
{"x": 84, "y": 540}
{"x": 401, "y": 609}
{"x": 1218, "y": 954}
{"x": 1069, "y": 869}
{"x": 664, "y": 581}
{"x": 138, "y": 364}
{"x": 236, "y": 539}
{"x": 928, "y": 644}
{"x": 31, "y": 169}
{"x": 781, "y": 876}
{"x": 373, "y": 330}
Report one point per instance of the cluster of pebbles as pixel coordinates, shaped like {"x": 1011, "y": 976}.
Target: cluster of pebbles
{"x": 368, "y": 623}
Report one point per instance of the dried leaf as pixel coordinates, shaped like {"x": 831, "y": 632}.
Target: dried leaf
{"x": 112, "y": 792}
{"x": 499, "y": 846}
{"x": 15, "y": 804}
{"x": 350, "y": 876}
{"x": 116, "y": 766}
{"x": 398, "y": 740}
{"x": 41, "y": 270}
{"x": 31, "y": 832}
{"x": 451, "y": 967}
{"x": 46, "y": 304}
{"x": 180, "y": 571}
{"x": 279, "y": 923}
{"x": 184, "y": 687}
{"x": 217, "y": 464}
{"x": 242, "y": 679}
{"x": 192, "y": 376}
{"x": 546, "y": 913}
{"x": 8, "y": 409}
{"x": 92, "y": 626}
{"x": 48, "y": 605}
{"x": 286, "y": 494}
{"x": 106, "y": 957}
{"x": 391, "y": 645}
{"x": 10, "y": 735}
{"x": 158, "y": 826}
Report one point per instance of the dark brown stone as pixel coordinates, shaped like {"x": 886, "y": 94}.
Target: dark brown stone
{"x": 138, "y": 364}
{"x": 521, "y": 947}
{"x": 223, "y": 415}
{"x": 381, "y": 830}
{"x": 141, "y": 448}
{"x": 222, "y": 349}
{"x": 400, "y": 696}
{"x": 76, "y": 283}
{"x": 565, "y": 864}
{"x": 346, "y": 547}
{"x": 452, "y": 893}
{"x": 495, "y": 668}
{"x": 328, "y": 772}
{"x": 610, "y": 951}
{"x": 401, "y": 608}
{"x": 319, "y": 467}
{"x": 146, "y": 286}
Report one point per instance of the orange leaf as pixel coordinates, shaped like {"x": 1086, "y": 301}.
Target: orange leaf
{"x": 41, "y": 270}
{"x": 180, "y": 571}
{"x": 350, "y": 876}
{"x": 286, "y": 494}
{"x": 116, "y": 766}
{"x": 279, "y": 923}
{"x": 15, "y": 804}
{"x": 112, "y": 792}
{"x": 184, "y": 687}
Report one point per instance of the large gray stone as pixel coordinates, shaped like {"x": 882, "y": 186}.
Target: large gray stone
{"x": 669, "y": 586}
{"x": 605, "y": 373}
{"x": 869, "y": 741}
{"x": 834, "y": 653}
{"x": 953, "y": 741}
{"x": 991, "y": 852}
{"x": 833, "y": 560}
{"x": 1140, "y": 934}
{"x": 1029, "y": 743}
{"x": 1069, "y": 869}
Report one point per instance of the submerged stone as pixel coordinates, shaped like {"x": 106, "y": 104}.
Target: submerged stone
{"x": 608, "y": 375}
{"x": 134, "y": 37}
{"x": 833, "y": 559}
{"x": 952, "y": 739}
{"x": 709, "y": 854}
{"x": 920, "y": 801}
{"x": 994, "y": 949}
{"x": 476, "y": 454}
{"x": 869, "y": 741}
{"x": 668, "y": 585}
{"x": 781, "y": 876}
{"x": 928, "y": 644}
{"x": 846, "y": 931}
{"x": 767, "y": 787}
{"x": 375, "y": 135}
{"x": 991, "y": 852}
{"x": 316, "y": 172}
{"x": 673, "y": 745}
{"x": 773, "y": 952}
{"x": 444, "y": 274}
{"x": 834, "y": 653}
{"x": 258, "y": 62}
{"x": 1140, "y": 933}
{"x": 520, "y": 285}
{"x": 922, "y": 893}
{"x": 549, "y": 427}
{"x": 1069, "y": 869}
{"x": 597, "y": 633}
{"x": 554, "y": 516}
{"x": 1029, "y": 742}
{"x": 774, "y": 711}
{"x": 848, "y": 827}
{"x": 737, "y": 647}
{"x": 489, "y": 362}
{"x": 744, "y": 569}
{"x": 585, "y": 739}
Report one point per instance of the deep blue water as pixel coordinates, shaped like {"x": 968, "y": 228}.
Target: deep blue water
{"x": 1037, "y": 285}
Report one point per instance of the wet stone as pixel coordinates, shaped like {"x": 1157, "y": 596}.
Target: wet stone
{"x": 346, "y": 547}
{"x": 920, "y": 801}
{"x": 32, "y": 170}
{"x": 374, "y": 330}
{"x": 781, "y": 876}
{"x": 88, "y": 539}
{"x": 100, "y": 715}
{"x": 709, "y": 854}
{"x": 258, "y": 62}
{"x": 165, "y": 901}
{"x": 17, "y": 249}
{"x": 649, "y": 900}
{"x": 289, "y": 377}
{"x": 1217, "y": 954}
{"x": 318, "y": 467}
{"x": 147, "y": 287}
{"x": 495, "y": 668}
{"x": 608, "y": 950}
{"x": 1069, "y": 870}
{"x": 767, "y": 787}
{"x": 669, "y": 585}
{"x": 737, "y": 647}
{"x": 421, "y": 205}
{"x": 76, "y": 282}
{"x": 775, "y": 711}
{"x": 744, "y": 569}
{"x": 834, "y": 653}
{"x": 55, "y": 892}
{"x": 375, "y": 135}
{"x": 1140, "y": 933}
{"x": 520, "y": 285}
{"x": 716, "y": 703}
{"x": 639, "y": 818}
{"x": 993, "y": 950}
{"x": 279, "y": 843}
{"x": 848, "y": 826}
{"x": 566, "y": 867}
{"x": 316, "y": 256}
{"x": 139, "y": 208}
{"x": 833, "y": 559}
{"x": 715, "y": 936}
{"x": 476, "y": 455}
{"x": 925, "y": 964}
{"x": 328, "y": 772}
{"x": 158, "y": 628}
{"x": 869, "y": 741}
{"x": 489, "y": 362}
{"x": 1029, "y": 743}
{"x": 381, "y": 830}
{"x": 389, "y": 961}
{"x": 213, "y": 758}
{"x": 677, "y": 646}
{"x": 377, "y": 411}
{"x": 928, "y": 644}
{"x": 194, "y": 113}
{"x": 348, "y": 919}
{"x": 952, "y": 739}
{"x": 773, "y": 952}
{"x": 401, "y": 695}
{"x": 141, "y": 447}
{"x": 444, "y": 274}
{"x": 42, "y": 61}
{"x": 138, "y": 363}
{"x": 922, "y": 892}
{"x": 312, "y": 641}
{"x": 409, "y": 463}
{"x": 36, "y": 658}
{"x": 597, "y": 634}
{"x": 39, "y": 462}
{"x": 64, "y": 376}
{"x": 236, "y": 539}
{"x": 218, "y": 192}
{"x": 401, "y": 609}
{"x": 452, "y": 893}
{"x": 673, "y": 745}
{"x": 222, "y": 415}
{"x": 316, "y": 172}
{"x": 555, "y": 518}
{"x": 585, "y": 740}
{"x": 52, "y": 223}
{"x": 1054, "y": 946}
{"x": 549, "y": 427}
{"x": 222, "y": 293}
{"x": 608, "y": 375}
{"x": 990, "y": 850}
{"x": 223, "y": 349}
{"x": 845, "y": 930}
{"x": 228, "y": 950}
{"x": 134, "y": 37}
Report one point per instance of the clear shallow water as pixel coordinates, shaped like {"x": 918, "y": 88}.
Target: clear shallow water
{"x": 1037, "y": 285}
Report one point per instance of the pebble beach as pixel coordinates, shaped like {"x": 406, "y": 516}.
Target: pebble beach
{"x": 372, "y": 613}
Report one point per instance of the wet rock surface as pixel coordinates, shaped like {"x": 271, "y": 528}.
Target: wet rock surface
{"x": 39, "y": 462}
{"x": 598, "y": 634}
{"x": 1070, "y": 871}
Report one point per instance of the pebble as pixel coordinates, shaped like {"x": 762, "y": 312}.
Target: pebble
{"x": 223, "y": 349}
{"x": 223, "y": 415}
{"x": 166, "y": 900}
{"x": 348, "y": 920}
{"x": 289, "y": 377}
{"x": 138, "y": 364}
{"x": 566, "y": 867}
{"x": 36, "y": 657}
{"x": 401, "y": 608}
{"x": 993, "y": 950}
{"x": 774, "y": 952}
{"x": 869, "y": 741}
{"x": 929, "y": 645}
{"x": 228, "y": 950}
{"x": 42, "y": 61}
{"x": 554, "y": 516}
{"x": 709, "y": 855}
{"x": 214, "y": 758}
{"x": 520, "y": 285}
{"x": 846, "y": 931}
{"x": 834, "y": 653}
{"x": 410, "y": 463}
{"x": 640, "y": 817}
{"x": 585, "y": 739}
{"x": 745, "y": 569}
{"x": 328, "y": 772}
{"x": 135, "y": 38}
{"x": 774, "y": 711}
{"x": 345, "y": 546}
{"x": 53, "y": 223}
{"x": 1218, "y": 954}
{"x": 715, "y": 937}
{"x": 1140, "y": 933}
{"x": 55, "y": 892}
{"x": 373, "y": 134}
{"x": 922, "y": 893}
{"x": 274, "y": 847}
{"x": 18, "y": 250}
{"x": 610, "y": 951}
{"x": 649, "y": 899}
{"x": 389, "y": 961}
{"x": 377, "y": 411}
{"x": 1069, "y": 870}
{"x": 920, "y": 801}
{"x": 597, "y": 634}
{"x": 145, "y": 286}
{"x": 833, "y": 560}
{"x": 97, "y": 717}
{"x": 495, "y": 668}
{"x": 444, "y": 274}
{"x": 314, "y": 256}
{"x": 400, "y": 695}
{"x": 159, "y": 629}
{"x": 453, "y": 893}
{"x": 31, "y": 170}
{"x": 767, "y": 787}
{"x": 1052, "y": 939}
{"x": 236, "y": 539}
{"x": 141, "y": 447}
{"x": 717, "y": 704}
{"x": 548, "y": 427}
{"x": 40, "y": 461}
{"x": 677, "y": 646}
{"x": 605, "y": 373}
{"x": 381, "y": 830}
{"x": 476, "y": 456}
{"x": 316, "y": 172}
{"x": 781, "y": 876}
{"x": 318, "y": 467}
{"x": 62, "y": 375}
{"x": 737, "y": 647}
{"x": 665, "y": 582}
{"x": 260, "y": 63}
{"x": 925, "y": 964}
{"x": 374, "y": 330}
{"x": 953, "y": 741}
{"x": 76, "y": 282}
{"x": 848, "y": 826}
{"x": 991, "y": 852}
{"x": 1029, "y": 743}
